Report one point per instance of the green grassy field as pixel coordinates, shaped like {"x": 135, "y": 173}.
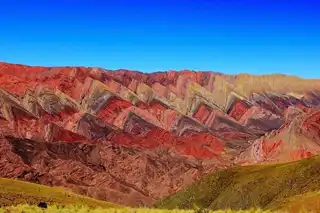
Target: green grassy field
{"x": 309, "y": 202}
{"x": 273, "y": 186}
{"x": 14, "y": 192}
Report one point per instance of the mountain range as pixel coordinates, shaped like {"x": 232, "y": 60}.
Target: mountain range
{"x": 134, "y": 138}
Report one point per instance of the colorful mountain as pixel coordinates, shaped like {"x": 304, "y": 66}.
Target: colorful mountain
{"x": 133, "y": 138}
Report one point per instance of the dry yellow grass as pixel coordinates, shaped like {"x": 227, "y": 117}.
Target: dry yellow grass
{"x": 83, "y": 209}
{"x": 14, "y": 192}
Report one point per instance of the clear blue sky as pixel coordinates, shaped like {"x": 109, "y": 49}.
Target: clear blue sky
{"x": 230, "y": 36}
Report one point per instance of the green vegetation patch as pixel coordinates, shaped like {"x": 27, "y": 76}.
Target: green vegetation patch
{"x": 309, "y": 202}
{"x": 258, "y": 186}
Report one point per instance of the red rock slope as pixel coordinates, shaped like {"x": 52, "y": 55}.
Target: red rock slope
{"x": 132, "y": 138}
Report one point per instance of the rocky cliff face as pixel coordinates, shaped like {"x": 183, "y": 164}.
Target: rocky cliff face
{"x": 132, "y": 138}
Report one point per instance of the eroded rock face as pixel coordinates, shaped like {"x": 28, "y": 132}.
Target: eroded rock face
{"x": 103, "y": 170}
{"x": 131, "y": 138}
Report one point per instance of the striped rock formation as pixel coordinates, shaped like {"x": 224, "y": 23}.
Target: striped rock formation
{"x": 132, "y": 138}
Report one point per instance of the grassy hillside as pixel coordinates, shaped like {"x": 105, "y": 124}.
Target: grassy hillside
{"x": 13, "y": 192}
{"x": 272, "y": 186}
{"x": 309, "y": 202}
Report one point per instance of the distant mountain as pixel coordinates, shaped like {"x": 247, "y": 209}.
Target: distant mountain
{"x": 132, "y": 138}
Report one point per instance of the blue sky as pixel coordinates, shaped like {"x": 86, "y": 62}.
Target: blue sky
{"x": 230, "y": 36}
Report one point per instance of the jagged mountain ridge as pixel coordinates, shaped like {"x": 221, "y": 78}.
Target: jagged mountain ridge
{"x": 213, "y": 119}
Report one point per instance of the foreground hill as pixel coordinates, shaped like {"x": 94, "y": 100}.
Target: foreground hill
{"x": 19, "y": 196}
{"x": 292, "y": 186}
{"x": 132, "y": 138}
{"x": 14, "y": 192}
